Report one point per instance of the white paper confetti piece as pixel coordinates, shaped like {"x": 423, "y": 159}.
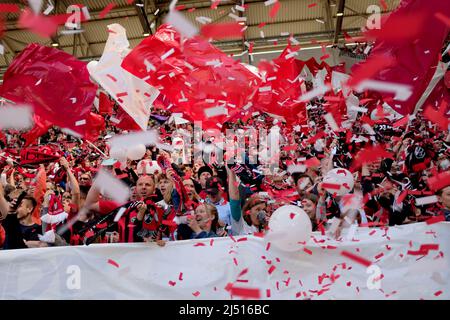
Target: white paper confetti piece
{"x": 2, "y": 49}
{"x": 16, "y": 117}
{"x": 203, "y": 20}
{"x": 216, "y": 111}
{"x": 111, "y": 186}
{"x": 119, "y": 214}
{"x": 80, "y": 123}
{"x": 318, "y": 91}
{"x": 426, "y": 200}
{"x": 296, "y": 168}
{"x": 181, "y": 24}
{"x": 49, "y": 9}
{"x": 331, "y": 122}
{"x": 35, "y": 5}
{"x": 270, "y": 2}
{"x": 402, "y": 92}
{"x": 167, "y": 54}
{"x": 132, "y": 139}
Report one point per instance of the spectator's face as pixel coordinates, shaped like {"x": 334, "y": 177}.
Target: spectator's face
{"x": 190, "y": 188}
{"x": 85, "y": 180}
{"x": 310, "y": 208}
{"x": 445, "y": 197}
{"x": 214, "y": 197}
{"x": 303, "y": 184}
{"x": 134, "y": 195}
{"x": 25, "y": 208}
{"x": 254, "y": 213}
{"x": 67, "y": 199}
{"x": 164, "y": 185}
{"x": 202, "y": 216}
{"x": 203, "y": 177}
{"x": 145, "y": 187}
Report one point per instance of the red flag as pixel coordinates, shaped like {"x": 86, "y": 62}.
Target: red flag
{"x": 33, "y": 77}
{"x": 416, "y": 54}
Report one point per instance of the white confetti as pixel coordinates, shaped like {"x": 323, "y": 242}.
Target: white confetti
{"x": 16, "y": 117}
{"x": 111, "y": 186}
{"x": 167, "y": 54}
{"x": 426, "y": 200}
{"x": 216, "y": 111}
{"x": 181, "y": 24}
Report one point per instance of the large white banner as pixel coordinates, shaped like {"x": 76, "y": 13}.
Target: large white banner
{"x": 204, "y": 269}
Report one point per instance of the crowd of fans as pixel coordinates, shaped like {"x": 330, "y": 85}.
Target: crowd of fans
{"x": 55, "y": 203}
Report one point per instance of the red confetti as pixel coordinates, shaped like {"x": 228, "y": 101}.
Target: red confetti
{"x": 112, "y": 262}
{"x": 273, "y": 12}
{"x": 292, "y": 215}
{"x": 250, "y": 293}
{"x": 243, "y": 272}
{"x": 311, "y": 5}
{"x": 307, "y": 251}
{"x": 180, "y": 277}
{"x": 211, "y": 242}
{"x": 271, "y": 269}
{"x": 180, "y": 7}
{"x": 9, "y": 7}
{"x": 384, "y": 5}
{"x": 111, "y": 77}
{"x": 268, "y": 246}
{"x": 268, "y": 293}
{"x": 235, "y": 261}
{"x": 438, "y": 293}
{"x": 262, "y": 24}
{"x": 172, "y": 283}
{"x": 215, "y": 4}
{"x": 435, "y": 219}
{"x": 196, "y": 293}
{"x": 379, "y": 255}
{"x": 356, "y": 258}
{"x": 331, "y": 186}
{"x": 439, "y": 181}
{"x": 242, "y": 239}
{"x": 423, "y": 250}
{"x": 437, "y": 116}
{"x": 222, "y": 30}
{"x": 325, "y": 56}
{"x": 169, "y": 223}
{"x": 232, "y": 238}
{"x": 200, "y": 244}
{"x": 106, "y": 10}
{"x": 349, "y": 284}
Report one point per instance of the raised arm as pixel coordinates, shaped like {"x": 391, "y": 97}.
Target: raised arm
{"x": 4, "y": 205}
{"x": 73, "y": 182}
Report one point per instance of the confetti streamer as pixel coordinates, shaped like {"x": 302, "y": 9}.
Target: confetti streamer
{"x": 246, "y": 293}
{"x": 356, "y": 258}
{"x": 222, "y": 30}
{"x": 113, "y": 263}
{"x": 106, "y": 10}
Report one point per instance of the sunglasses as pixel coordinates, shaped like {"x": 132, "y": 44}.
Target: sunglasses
{"x": 84, "y": 178}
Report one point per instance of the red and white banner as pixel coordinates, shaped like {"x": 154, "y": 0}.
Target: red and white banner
{"x": 408, "y": 262}
{"x": 134, "y": 95}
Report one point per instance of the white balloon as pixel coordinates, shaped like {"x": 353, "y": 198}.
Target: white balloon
{"x": 118, "y": 153}
{"x": 289, "y": 227}
{"x": 136, "y": 152}
{"x": 147, "y": 166}
{"x": 342, "y": 177}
